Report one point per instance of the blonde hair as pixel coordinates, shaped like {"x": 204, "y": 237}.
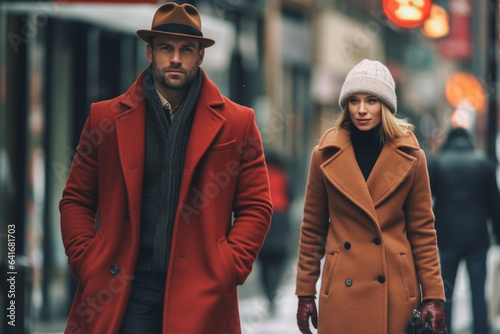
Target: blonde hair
{"x": 392, "y": 127}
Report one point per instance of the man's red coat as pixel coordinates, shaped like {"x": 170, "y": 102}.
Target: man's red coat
{"x": 222, "y": 219}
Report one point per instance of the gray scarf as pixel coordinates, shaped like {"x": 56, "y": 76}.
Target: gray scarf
{"x": 165, "y": 151}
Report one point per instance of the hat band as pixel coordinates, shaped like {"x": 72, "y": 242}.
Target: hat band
{"x": 178, "y": 29}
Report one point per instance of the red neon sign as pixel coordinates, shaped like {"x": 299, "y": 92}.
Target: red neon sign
{"x": 407, "y": 14}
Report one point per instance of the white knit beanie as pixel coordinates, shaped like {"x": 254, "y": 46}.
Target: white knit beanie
{"x": 370, "y": 77}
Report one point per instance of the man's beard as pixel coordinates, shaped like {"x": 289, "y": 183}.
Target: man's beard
{"x": 161, "y": 79}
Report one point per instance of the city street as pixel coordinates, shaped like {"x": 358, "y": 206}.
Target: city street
{"x": 132, "y": 138}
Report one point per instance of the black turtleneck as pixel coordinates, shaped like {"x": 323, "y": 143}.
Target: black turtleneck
{"x": 367, "y": 148}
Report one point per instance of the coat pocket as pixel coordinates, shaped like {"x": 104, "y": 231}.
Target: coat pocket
{"x": 406, "y": 274}
{"x": 328, "y": 271}
{"x": 223, "y": 146}
{"x": 87, "y": 256}
{"x": 228, "y": 262}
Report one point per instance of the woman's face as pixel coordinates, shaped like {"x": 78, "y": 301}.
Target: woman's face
{"x": 365, "y": 111}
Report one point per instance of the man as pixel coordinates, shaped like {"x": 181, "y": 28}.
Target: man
{"x": 167, "y": 202}
{"x": 466, "y": 197}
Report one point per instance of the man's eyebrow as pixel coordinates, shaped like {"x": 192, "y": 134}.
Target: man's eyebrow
{"x": 162, "y": 43}
{"x": 185, "y": 44}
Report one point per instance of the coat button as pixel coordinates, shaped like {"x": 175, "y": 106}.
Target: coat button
{"x": 381, "y": 279}
{"x": 348, "y": 282}
{"x": 114, "y": 269}
{"x": 127, "y": 215}
{"x": 347, "y": 245}
{"x": 376, "y": 241}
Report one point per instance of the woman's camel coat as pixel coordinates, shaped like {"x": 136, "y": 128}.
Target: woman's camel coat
{"x": 377, "y": 237}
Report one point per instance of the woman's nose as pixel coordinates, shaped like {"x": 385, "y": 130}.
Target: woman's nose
{"x": 362, "y": 107}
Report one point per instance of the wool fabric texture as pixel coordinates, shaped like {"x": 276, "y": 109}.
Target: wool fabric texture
{"x": 370, "y": 77}
{"x": 165, "y": 151}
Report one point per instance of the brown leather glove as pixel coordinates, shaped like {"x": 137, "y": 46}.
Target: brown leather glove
{"x": 306, "y": 309}
{"x": 433, "y": 312}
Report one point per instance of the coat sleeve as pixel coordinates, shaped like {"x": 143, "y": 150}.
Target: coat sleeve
{"x": 422, "y": 234}
{"x": 314, "y": 230}
{"x": 78, "y": 205}
{"x": 252, "y": 205}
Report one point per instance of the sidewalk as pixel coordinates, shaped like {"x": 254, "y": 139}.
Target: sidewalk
{"x": 253, "y": 306}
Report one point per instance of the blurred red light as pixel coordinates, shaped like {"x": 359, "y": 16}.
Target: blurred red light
{"x": 407, "y": 14}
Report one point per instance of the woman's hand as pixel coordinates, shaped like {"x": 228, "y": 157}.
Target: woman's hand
{"x": 433, "y": 312}
{"x": 306, "y": 309}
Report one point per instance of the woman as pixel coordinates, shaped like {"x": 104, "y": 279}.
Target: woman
{"x": 368, "y": 212}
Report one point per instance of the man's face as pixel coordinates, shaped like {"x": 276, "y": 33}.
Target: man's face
{"x": 175, "y": 61}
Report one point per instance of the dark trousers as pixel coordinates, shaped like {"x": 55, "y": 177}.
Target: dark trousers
{"x": 476, "y": 267}
{"x": 144, "y": 313}
{"x": 272, "y": 269}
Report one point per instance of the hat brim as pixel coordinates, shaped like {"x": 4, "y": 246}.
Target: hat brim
{"x": 146, "y": 35}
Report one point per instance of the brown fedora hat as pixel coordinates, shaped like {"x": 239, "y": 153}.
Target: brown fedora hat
{"x": 176, "y": 20}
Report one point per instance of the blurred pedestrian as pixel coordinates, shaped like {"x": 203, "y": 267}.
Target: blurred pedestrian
{"x": 466, "y": 196}
{"x": 274, "y": 253}
{"x": 159, "y": 174}
{"x": 368, "y": 208}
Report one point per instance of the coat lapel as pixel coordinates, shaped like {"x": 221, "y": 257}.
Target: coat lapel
{"x": 343, "y": 173}
{"x": 130, "y": 132}
{"x": 391, "y": 169}
{"x": 206, "y": 125}
{"x": 131, "y": 127}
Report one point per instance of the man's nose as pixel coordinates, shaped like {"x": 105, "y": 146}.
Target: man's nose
{"x": 176, "y": 56}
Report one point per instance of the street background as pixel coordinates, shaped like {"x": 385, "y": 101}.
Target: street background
{"x": 287, "y": 59}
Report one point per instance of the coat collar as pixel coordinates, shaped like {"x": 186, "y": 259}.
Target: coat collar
{"x": 207, "y": 123}
{"x": 393, "y": 165}
{"x": 130, "y": 130}
{"x": 338, "y": 138}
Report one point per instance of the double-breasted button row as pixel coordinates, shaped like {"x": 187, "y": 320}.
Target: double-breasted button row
{"x": 114, "y": 269}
